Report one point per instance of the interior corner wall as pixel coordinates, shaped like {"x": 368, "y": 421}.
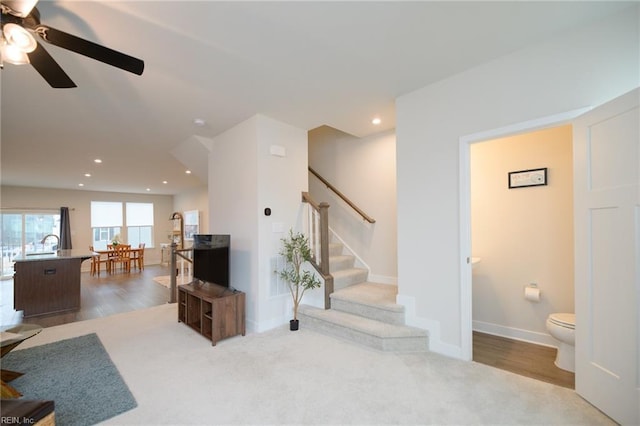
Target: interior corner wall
{"x": 585, "y": 67}
{"x": 260, "y": 163}
{"x": 522, "y": 235}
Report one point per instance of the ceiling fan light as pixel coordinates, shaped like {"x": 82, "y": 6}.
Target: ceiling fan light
{"x": 13, "y": 55}
{"x": 21, "y": 8}
{"x": 19, "y": 37}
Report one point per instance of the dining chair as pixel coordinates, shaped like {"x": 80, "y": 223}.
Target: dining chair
{"x": 137, "y": 257}
{"x": 96, "y": 261}
{"x": 120, "y": 255}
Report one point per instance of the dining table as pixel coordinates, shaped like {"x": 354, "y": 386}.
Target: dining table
{"x": 134, "y": 254}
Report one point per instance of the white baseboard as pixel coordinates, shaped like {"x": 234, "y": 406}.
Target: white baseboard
{"x": 432, "y": 326}
{"x": 536, "y": 337}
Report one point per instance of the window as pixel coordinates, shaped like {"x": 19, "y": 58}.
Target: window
{"x": 109, "y": 219}
{"x": 21, "y": 232}
{"x": 140, "y": 224}
{"x": 106, "y": 222}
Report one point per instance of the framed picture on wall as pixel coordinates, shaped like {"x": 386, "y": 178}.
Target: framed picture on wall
{"x": 531, "y": 177}
{"x": 191, "y": 224}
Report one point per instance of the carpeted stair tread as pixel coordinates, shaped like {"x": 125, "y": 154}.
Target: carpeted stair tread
{"x": 361, "y": 324}
{"x": 380, "y": 296}
{"x": 341, "y": 262}
{"x": 350, "y": 271}
{"x": 347, "y": 277}
{"x": 335, "y": 249}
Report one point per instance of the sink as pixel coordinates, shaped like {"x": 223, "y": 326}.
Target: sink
{"x": 41, "y": 253}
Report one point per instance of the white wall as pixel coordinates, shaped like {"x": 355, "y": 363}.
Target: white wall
{"x": 244, "y": 179}
{"x": 522, "y": 235}
{"x": 582, "y": 68}
{"x": 233, "y": 205}
{"x": 197, "y": 199}
{"x": 364, "y": 169}
{"x": 79, "y": 203}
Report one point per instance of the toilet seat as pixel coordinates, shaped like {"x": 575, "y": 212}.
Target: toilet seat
{"x": 563, "y": 320}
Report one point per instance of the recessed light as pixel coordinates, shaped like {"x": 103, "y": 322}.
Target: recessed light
{"x": 97, "y": 160}
{"x": 376, "y": 121}
{"x": 81, "y": 184}
{"x": 165, "y": 182}
{"x": 188, "y": 172}
{"x": 87, "y": 175}
{"x": 148, "y": 189}
{"x": 199, "y": 122}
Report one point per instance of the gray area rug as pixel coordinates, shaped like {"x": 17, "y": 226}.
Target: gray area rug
{"x": 77, "y": 374}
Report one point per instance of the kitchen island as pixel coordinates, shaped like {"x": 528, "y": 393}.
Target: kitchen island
{"x": 47, "y": 283}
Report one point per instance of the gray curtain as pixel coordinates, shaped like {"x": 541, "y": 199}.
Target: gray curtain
{"x": 65, "y": 229}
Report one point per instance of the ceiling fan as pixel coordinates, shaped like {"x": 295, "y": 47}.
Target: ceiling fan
{"x": 21, "y": 19}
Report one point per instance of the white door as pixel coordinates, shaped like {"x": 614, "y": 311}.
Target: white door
{"x": 607, "y": 257}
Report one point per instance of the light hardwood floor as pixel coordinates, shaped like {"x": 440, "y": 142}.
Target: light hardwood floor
{"x": 525, "y": 359}
{"x": 101, "y": 296}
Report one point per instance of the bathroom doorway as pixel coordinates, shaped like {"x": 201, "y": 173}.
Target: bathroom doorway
{"x": 466, "y": 290}
{"x": 523, "y": 236}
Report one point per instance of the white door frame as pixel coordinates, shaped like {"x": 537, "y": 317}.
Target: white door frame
{"x": 466, "y": 317}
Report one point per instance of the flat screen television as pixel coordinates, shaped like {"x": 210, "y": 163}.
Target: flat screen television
{"x": 211, "y": 258}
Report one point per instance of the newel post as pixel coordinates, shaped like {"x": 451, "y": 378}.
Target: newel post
{"x": 324, "y": 253}
{"x": 173, "y": 272}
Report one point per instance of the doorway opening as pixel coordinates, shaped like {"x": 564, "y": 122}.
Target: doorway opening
{"x": 523, "y": 237}
{"x": 514, "y": 286}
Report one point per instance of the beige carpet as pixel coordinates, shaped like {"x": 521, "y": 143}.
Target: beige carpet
{"x": 165, "y": 280}
{"x": 283, "y": 377}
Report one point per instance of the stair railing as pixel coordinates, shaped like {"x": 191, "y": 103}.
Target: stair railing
{"x": 344, "y": 197}
{"x": 175, "y": 253}
{"x": 318, "y": 233}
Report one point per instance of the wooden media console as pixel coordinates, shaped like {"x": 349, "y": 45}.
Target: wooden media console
{"x": 212, "y": 310}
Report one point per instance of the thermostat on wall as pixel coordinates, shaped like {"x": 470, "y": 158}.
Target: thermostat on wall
{"x": 278, "y": 150}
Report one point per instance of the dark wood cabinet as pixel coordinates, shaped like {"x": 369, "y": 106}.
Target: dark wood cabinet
{"x": 212, "y": 310}
{"x": 47, "y": 286}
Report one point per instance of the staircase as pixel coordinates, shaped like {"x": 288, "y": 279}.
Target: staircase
{"x": 362, "y": 311}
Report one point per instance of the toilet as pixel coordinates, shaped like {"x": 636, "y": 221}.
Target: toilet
{"x": 562, "y": 327}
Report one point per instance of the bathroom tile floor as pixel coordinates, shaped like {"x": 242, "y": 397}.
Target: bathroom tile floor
{"x": 526, "y": 359}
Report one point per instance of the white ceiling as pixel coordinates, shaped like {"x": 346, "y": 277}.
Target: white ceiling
{"x": 303, "y": 63}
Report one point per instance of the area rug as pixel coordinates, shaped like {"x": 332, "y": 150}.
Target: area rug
{"x": 77, "y": 374}
{"x": 165, "y": 280}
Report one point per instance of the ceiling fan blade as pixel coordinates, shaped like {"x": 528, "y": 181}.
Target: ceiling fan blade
{"x": 91, "y": 50}
{"x": 49, "y": 69}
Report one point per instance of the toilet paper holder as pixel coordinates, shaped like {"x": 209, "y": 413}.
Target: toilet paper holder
{"x": 532, "y": 292}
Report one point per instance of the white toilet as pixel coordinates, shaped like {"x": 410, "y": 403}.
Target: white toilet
{"x": 562, "y": 327}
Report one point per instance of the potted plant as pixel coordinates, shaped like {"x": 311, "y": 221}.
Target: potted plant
{"x": 295, "y": 251}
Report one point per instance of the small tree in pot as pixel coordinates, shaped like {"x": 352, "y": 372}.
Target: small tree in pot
{"x": 295, "y": 251}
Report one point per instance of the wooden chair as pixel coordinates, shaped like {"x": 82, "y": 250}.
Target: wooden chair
{"x": 96, "y": 261}
{"x": 137, "y": 257}
{"x": 121, "y": 254}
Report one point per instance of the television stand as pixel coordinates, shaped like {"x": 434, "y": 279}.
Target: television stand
{"x": 212, "y": 310}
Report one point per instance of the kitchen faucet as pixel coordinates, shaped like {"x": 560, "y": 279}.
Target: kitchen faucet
{"x": 51, "y": 235}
